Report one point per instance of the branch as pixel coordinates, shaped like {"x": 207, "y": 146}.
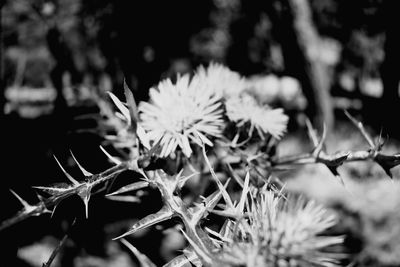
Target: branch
{"x": 60, "y": 193}
{"x": 333, "y": 161}
{"x": 191, "y": 216}
{"x": 59, "y": 246}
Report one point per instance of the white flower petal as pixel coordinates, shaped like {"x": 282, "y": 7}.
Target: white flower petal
{"x": 176, "y": 112}
{"x": 245, "y": 109}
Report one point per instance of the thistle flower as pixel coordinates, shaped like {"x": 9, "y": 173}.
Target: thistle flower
{"x": 179, "y": 113}
{"x": 221, "y": 80}
{"x": 264, "y": 87}
{"x": 285, "y": 232}
{"x": 245, "y": 109}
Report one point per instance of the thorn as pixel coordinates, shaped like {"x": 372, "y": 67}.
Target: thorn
{"x": 183, "y": 180}
{"x": 59, "y": 246}
{"x": 235, "y": 139}
{"x": 216, "y": 234}
{"x": 130, "y": 187}
{"x": 84, "y": 194}
{"x": 207, "y": 204}
{"x": 361, "y": 128}
{"x": 46, "y": 210}
{"x": 142, "y": 258}
{"x": 336, "y": 159}
{"x": 164, "y": 214}
{"x": 336, "y": 174}
{"x": 243, "y": 198}
{"x": 311, "y": 133}
{"x": 381, "y": 142}
{"x": 386, "y": 169}
{"x": 197, "y": 249}
{"x": 234, "y": 175}
{"x": 225, "y": 194}
{"x": 189, "y": 258}
{"x": 85, "y": 172}
{"x": 145, "y": 160}
{"x": 124, "y": 110}
{"x": 320, "y": 145}
{"x": 86, "y": 203}
{"x": 132, "y": 107}
{"x": 387, "y": 162}
{"x": 178, "y": 176}
{"x": 251, "y": 130}
{"x": 129, "y": 199}
{"x": 122, "y": 236}
{"x": 22, "y": 201}
{"x": 41, "y": 199}
{"x": 53, "y": 211}
{"x": 111, "y": 158}
{"x": 75, "y": 182}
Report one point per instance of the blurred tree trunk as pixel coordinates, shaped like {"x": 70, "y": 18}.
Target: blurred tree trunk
{"x": 389, "y": 69}
{"x": 301, "y": 47}
{"x": 2, "y": 82}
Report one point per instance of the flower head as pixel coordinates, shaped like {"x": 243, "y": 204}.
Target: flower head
{"x": 179, "y": 113}
{"x": 293, "y": 230}
{"x": 221, "y": 80}
{"x": 264, "y": 87}
{"x": 283, "y": 232}
{"x": 245, "y": 109}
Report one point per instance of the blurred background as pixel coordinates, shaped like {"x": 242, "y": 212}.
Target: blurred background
{"x": 58, "y": 58}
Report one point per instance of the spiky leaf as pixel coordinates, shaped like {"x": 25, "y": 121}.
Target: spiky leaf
{"x": 164, "y": 214}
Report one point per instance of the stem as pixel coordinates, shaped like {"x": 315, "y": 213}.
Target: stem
{"x": 59, "y": 246}
{"x": 51, "y": 202}
{"x": 324, "y": 158}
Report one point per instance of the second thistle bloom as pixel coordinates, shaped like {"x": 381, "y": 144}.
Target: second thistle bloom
{"x": 221, "y": 80}
{"x": 245, "y": 109}
{"x": 180, "y": 114}
{"x": 284, "y": 232}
